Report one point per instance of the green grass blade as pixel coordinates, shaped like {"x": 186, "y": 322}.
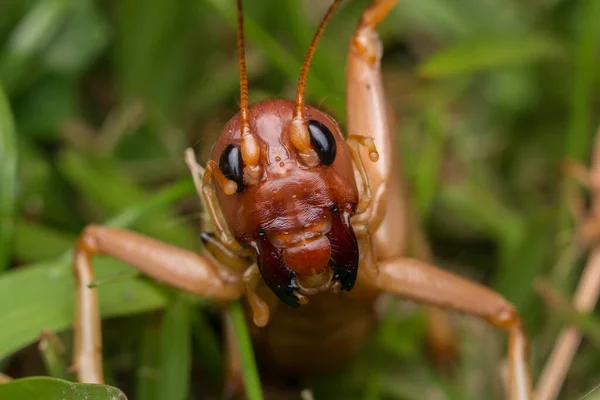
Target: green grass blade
{"x": 42, "y": 297}
{"x": 428, "y": 170}
{"x": 249, "y": 370}
{"x": 484, "y": 53}
{"x": 31, "y": 36}
{"x": 57, "y": 389}
{"x": 586, "y": 69}
{"x": 166, "y": 196}
{"x": 148, "y": 359}
{"x": 175, "y": 351}
{"x": 8, "y": 179}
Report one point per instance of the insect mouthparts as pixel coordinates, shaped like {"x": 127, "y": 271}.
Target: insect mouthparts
{"x": 338, "y": 250}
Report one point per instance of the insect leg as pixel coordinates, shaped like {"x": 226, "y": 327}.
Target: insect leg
{"x": 353, "y": 142}
{"x": 182, "y": 269}
{"x": 389, "y": 218}
{"x": 206, "y": 192}
{"x": 415, "y": 280}
{"x": 368, "y": 115}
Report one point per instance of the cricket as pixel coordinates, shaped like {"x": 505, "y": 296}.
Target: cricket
{"x": 296, "y": 235}
{"x": 309, "y": 225}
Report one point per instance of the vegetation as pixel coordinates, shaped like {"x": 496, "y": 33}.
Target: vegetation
{"x": 98, "y": 100}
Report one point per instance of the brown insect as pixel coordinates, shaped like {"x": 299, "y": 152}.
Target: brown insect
{"x": 306, "y": 232}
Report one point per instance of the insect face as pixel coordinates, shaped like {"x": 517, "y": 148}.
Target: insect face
{"x": 295, "y": 216}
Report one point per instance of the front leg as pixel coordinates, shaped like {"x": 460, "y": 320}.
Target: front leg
{"x": 179, "y": 268}
{"x": 368, "y": 115}
{"x": 415, "y": 280}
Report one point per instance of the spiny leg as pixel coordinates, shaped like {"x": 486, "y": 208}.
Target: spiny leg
{"x": 415, "y": 280}
{"x": 176, "y": 267}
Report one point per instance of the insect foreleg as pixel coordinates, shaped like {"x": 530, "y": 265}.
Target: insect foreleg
{"x": 179, "y": 268}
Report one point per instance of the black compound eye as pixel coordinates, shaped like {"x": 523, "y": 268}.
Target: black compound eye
{"x": 323, "y": 141}
{"x": 231, "y": 165}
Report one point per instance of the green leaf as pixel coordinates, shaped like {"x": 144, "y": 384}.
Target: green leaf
{"x": 8, "y": 179}
{"x": 42, "y": 297}
{"x": 483, "y": 53}
{"x": 57, "y": 389}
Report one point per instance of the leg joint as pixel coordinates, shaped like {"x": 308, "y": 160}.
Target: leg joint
{"x": 507, "y": 318}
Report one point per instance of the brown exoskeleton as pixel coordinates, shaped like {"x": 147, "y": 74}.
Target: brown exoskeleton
{"x": 296, "y": 236}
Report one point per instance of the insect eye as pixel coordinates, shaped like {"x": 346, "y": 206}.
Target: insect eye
{"x": 230, "y": 164}
{"x": 323, "y": 141}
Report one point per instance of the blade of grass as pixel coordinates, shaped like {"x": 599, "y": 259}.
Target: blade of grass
{"x": 586, "y": 66}
{"x": 33, "y": 33}
{"x": 249, "y": 370}
{"x": 483, "y": 53}
{"x": 427, "y": 172}
{"x": 175, "y": 351}
{"x": 168, "y": 195}
{"x": 8, "y": 179}
{"x": 147, "y": 366}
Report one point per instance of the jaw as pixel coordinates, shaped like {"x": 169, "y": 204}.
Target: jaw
{"x": 317, "y": 283}
{"x": 290, "y": 286}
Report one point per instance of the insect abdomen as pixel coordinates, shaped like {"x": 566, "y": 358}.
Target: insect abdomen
{"x": 319, "y": 336}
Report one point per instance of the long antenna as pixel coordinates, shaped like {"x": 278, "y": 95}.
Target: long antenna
{"x": 242, "y": 61}
{"x": 299, "y": 108}
{"x": 249, "y": 146}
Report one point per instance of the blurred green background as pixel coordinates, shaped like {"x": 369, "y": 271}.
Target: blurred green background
{"x": 100, "y": 98}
